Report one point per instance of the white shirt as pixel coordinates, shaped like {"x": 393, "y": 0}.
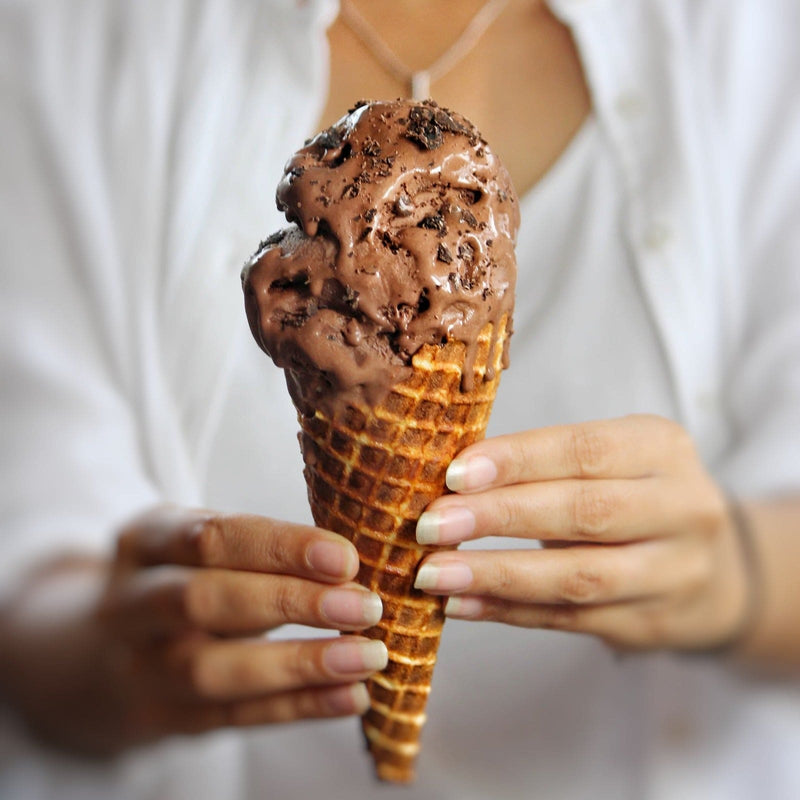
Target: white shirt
{"x": 658, "y": 272}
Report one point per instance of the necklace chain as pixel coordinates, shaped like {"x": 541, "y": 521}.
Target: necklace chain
{"x": 418, "y": 82}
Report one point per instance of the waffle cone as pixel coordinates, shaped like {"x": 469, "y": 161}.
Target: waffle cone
{"x": 371, "y": 471}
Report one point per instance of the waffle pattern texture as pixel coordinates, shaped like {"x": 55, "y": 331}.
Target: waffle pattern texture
{"x": 370, "y": 474}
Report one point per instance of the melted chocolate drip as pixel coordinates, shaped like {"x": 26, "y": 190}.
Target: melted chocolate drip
{"x": 404, "y": 225}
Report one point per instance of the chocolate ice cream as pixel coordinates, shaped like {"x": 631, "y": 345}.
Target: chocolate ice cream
{"x": 404, "y": 224}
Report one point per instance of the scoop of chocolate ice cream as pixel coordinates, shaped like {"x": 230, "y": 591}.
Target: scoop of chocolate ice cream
{"x": 403, "y": 231}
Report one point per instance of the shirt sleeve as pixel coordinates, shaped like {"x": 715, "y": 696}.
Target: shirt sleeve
{"x": 72, "y": 463}
{"x": 140, "y": 150}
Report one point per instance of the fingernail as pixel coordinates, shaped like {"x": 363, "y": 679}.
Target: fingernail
{"x": 348, "y": 699}
{"x": 334, "y": 559}
{"x": 469, "y": 474}
{"x": 347, "y": 657}
{"x": 352, "y": 607}
{"x": 447, "y": 526}
{"x": 449, "y": 576}
{"x": 463, "y": 607}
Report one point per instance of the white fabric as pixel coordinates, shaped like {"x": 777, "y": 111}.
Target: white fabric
{"x": 659, "y": 272}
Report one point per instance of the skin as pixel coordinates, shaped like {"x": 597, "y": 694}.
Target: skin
{"x": 640, "y": 545}
{"x": 642, "y": 552}
{"x": 527, "y": 53}
{"x": 167, "y": 637}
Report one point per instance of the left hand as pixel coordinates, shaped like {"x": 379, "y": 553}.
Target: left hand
{"x": 640, "y": 549}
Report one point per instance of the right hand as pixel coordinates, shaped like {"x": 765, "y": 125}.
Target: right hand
{"x": 166, "y": 639}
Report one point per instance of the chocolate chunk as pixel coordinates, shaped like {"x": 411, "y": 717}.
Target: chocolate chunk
{"x": 428, "y": 123}
{"x": 343, "y": 154}
{"x": 274, "y": 238}
{"x": 297, "y": 283}
{"x": 328, "y": 139}
{"x": 470, "y": 196}
{"x": 423, "y": 304}
{"x": 351, "y": 297}
{"x": 466, "y": 252}
{"x": 371, "y": 148}
{"x": 443, "y": 254}
{"x": 468, "y": 217}
{"x": 387, "y": 241}
{"x": 433, "y": 222}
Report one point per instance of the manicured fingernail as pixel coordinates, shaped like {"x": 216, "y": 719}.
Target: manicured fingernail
{"x": 352, "y": 607}
{"x": 348, "y": 699}
{"x": 469, "y": 474}
{"x": 448, "y": 526}
{"x": 335, "y": 559}
{"x": 463, "y": 607}
{"x": 348, "y": 657}
{"x": 448, "y": 576}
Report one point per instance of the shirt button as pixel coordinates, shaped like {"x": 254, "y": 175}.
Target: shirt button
{"x": 657, "y": 236}
{"x": 629, "y": 104}
{"x": 707, "y": 402}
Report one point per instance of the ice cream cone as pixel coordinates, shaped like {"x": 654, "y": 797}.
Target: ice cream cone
{"x": 388, "y": 302}
{"x": 371, "y": 472}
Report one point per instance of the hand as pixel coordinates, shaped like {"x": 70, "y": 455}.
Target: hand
{"x": 639, "y": 546}
{"x": 166, "y": 638}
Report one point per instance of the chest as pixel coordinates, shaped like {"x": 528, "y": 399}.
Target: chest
{"x": 521, "y": 83}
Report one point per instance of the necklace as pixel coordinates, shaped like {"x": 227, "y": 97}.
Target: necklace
{"x": 419, "y": 81}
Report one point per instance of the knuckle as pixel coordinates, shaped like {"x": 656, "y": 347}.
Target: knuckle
{"x": 197, "y": 600}
{"x": 323, "y": 704}
{"x": 277, "y": 551}
{"x": 560, "y": 617}
{"x": 504, "y": 611}
{"x": 285, "y": 603}
{"x": 306, "y": 664}
{"x": 583, "y": 586}
{"x": 205, "y": 541}
{"x": 697, "y": 569}
{"x": 677, "y": 438}
{"x": 502, "y": 578}
{"x": 515, "y": 459}
{"x": 508, "y": 516}
{"x": 126, "y": 544}
{"x": 291, "y": 706}
{"x": 237, "y": 676}
{"x": 587, "y": 451}
{"x": 593, "y": 512}
{"x": 185, "y": 667}
{"x": 199, "y": 675}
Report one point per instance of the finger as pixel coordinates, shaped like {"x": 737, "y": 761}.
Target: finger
{"x": 316, "y": 703}
{"x": 244, "y": 542}
{"x": 627, "y": 625}
{"x": 214, "y": 670}
{"x": 573, "y": 575}
{"x": 564, "y": 510}
{"x": 166, "y": 600}
{"x": 632, "y": 626}
{"x": 628, "y": 447}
